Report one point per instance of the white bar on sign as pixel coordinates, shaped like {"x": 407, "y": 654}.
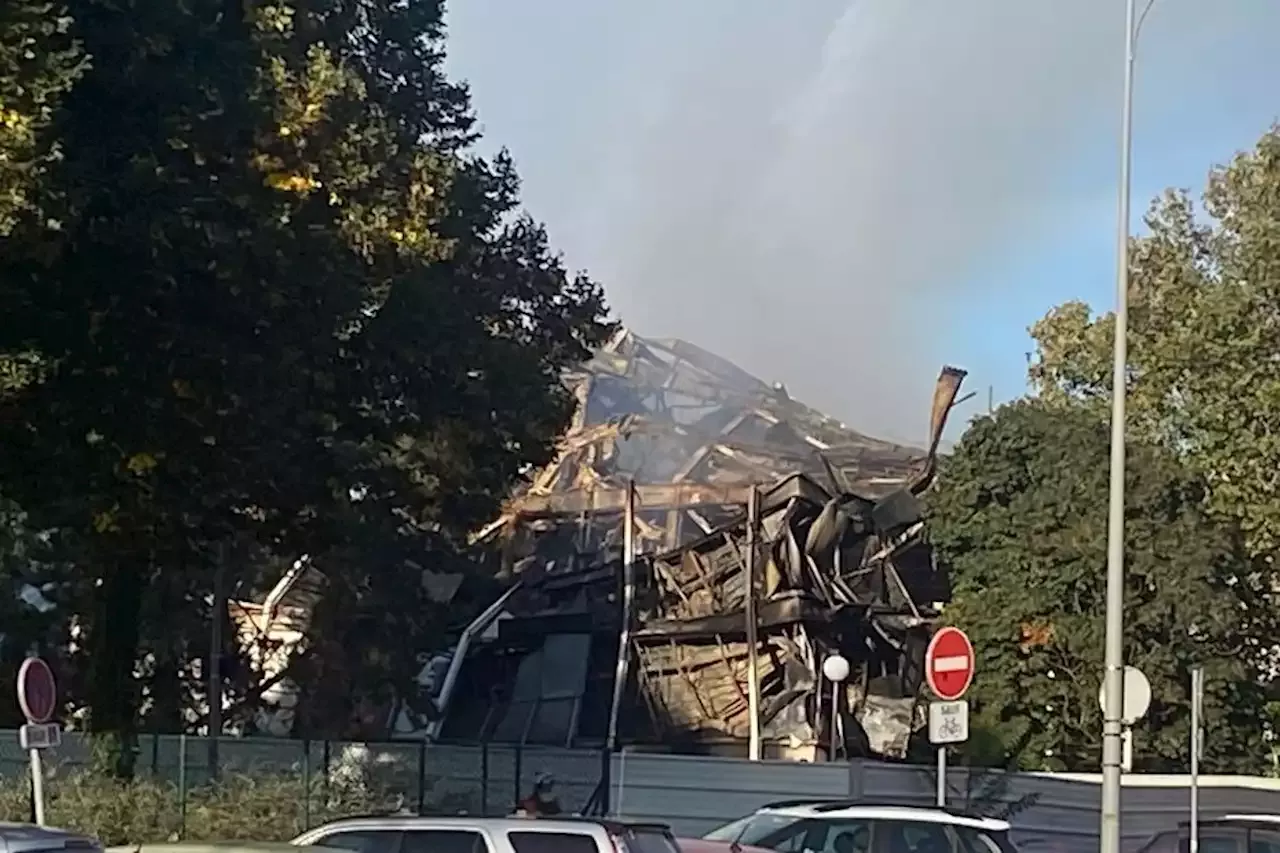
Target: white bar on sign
{"x": 954, "y": 663}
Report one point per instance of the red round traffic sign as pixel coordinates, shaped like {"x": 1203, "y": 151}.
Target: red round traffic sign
{"x": 949, "y": 663}
{"x": 37, "y": 691}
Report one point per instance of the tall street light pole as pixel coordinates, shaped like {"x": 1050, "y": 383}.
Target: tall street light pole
{"x": 1113, "y": 680}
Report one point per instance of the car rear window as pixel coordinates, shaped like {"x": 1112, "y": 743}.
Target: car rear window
{"x": 363, "y": 841}
{"x": 552, "y": 842}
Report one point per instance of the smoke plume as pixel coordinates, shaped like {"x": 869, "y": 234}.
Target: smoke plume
{"x": 817, "y": 190}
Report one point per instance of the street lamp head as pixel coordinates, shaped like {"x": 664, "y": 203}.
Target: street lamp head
{"x": 835, "y": 668}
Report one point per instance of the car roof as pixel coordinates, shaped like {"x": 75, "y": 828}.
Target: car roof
{"x": 838, "y": 810}
{"x": 215, "y": 847}
{"x": 542, "y": 824}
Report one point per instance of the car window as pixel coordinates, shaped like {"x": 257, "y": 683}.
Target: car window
{"x": 552, "y": 842}
{"x": 841, "y": 836}
{"x": 1216, "y": 841}
{"x": 973, "y": 840}
{"x": 443, "y": 841}
{"x": 1264, "y": 841}
{"x": 363, "y": 841}
{"x": 910, "y": 836}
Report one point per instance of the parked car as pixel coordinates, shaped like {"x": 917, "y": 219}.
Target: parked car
{"x": 1238, "y": 833}
{"x": 216, "y": 847}
{"x": 410, "y": 834}
{"x": 848, "y": 827}
{"x": 29, "y": 838}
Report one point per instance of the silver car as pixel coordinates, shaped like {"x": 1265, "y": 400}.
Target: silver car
{"x": 409, "y": 834}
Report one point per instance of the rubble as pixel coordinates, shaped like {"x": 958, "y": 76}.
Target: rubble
{"x": 681, "y": 477}
{"x": 269, "y": 635}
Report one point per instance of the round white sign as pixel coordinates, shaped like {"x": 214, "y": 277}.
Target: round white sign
{"x": 1136, "y": 698}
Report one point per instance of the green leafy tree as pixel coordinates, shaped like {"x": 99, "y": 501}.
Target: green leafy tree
{"x": 39, "y": 62}
{"x": 1204, "y": 339}
{"x": 271, "y": 300}
{"x": 1019, "y": 519}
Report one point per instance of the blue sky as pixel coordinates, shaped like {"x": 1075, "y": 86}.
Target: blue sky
{"x": 845, "y": 195}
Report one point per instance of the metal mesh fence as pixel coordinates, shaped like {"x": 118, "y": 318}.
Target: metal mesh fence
{"x": 330, "y": 778}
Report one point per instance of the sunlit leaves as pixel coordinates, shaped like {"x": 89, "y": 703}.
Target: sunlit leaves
{"x": 39, "y": 62}
{"x": 1019, "y": 519}
{"x": 1204, "y": 340}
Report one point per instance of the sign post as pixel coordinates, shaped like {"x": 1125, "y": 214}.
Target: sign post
{"x": 948, "y": 668}
{"x": 38, "y": 699}
{"x": 1135, "y": 699}
{"x": 1197, "y": 705}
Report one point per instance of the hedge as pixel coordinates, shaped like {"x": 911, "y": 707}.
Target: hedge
{"x": 238, "y": 807}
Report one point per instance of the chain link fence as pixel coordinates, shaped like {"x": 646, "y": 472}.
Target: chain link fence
{"x": 278, "y": 787}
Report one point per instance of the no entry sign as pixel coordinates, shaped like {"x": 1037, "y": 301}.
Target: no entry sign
{"x": 37, "y": 692}
{"x": 949, "y": 663}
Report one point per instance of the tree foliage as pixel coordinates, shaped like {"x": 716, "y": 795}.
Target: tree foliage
{"x": 1204, "y": 340}
{"x": 39, "y": 62}
{"x": 266, "y": 299}
{"x": 1019, "y": 520}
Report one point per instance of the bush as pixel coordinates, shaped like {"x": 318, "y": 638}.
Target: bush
{"x": 238, "y": 807}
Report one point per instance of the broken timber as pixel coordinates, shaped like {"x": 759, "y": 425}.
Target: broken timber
{"x": 840, "y": 566}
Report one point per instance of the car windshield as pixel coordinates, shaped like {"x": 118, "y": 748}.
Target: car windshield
{"x": 756, "y": 828}
{"x": 650, "y": 841}
{"x": 791, "y": 834}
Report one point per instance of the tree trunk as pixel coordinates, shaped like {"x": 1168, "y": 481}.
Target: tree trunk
{"x": 113, "y": 652}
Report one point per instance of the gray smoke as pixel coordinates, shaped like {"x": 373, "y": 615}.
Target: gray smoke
{"x": 817, "y": 189}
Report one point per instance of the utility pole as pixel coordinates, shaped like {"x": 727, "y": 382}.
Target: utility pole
{"x": 1113, "y": 676}
{"x": 749, "y": 611}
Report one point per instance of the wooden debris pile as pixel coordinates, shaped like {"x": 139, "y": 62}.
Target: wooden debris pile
{"x": 694, "y": 433}
{"x": 674, "y": 445}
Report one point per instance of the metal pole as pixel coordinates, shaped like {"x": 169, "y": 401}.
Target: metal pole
{"x": 306, "y": 784}
{"x": 1113, "y": 684}
{"x": 182, "y": 786}
{"x": 37, "y": 786}
{"x": 625, "y": 615}
{"x": 753, "y": 663}
{"x": 422, "y": 775}
{"x": 942, "y": 777}
{"x": 835, "y": 717}
{"x": 215, "y": 660}
{"x": 1197, "y": 697}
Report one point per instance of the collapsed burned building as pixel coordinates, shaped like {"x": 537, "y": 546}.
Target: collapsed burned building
{"x": 679, "y": 574}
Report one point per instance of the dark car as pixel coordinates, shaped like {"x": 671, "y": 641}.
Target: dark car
{"x": 29, "y": 838}
{"x": 1231, "y": 834}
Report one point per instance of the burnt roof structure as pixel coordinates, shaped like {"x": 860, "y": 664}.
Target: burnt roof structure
{"x": 683, "y": 483}
{"x": 693, "y": 433}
